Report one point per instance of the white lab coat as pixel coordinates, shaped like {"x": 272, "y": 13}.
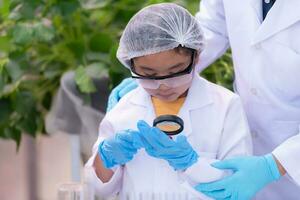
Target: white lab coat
{"x": 266, "y": 57}
{"x": 214, "y": 124}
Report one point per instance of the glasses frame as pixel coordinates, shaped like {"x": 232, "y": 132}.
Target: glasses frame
{"x": 187, "y": 70}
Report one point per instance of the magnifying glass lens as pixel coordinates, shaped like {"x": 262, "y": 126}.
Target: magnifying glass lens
{"x": 169, "y": 124}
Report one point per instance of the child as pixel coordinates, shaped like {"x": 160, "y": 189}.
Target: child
{"x": 161, "y": 46}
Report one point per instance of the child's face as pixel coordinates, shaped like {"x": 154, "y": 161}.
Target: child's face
{"x": 164, "y": 64}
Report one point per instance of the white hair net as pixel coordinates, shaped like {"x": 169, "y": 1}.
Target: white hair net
{"x": 157, "y": 28}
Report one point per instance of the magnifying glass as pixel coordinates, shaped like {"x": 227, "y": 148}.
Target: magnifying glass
{"x": 169, "y": 124}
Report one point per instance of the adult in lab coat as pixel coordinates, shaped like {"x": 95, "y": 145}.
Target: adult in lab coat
{"x": 266, "y": 54}
{"x": 265, "y": 44}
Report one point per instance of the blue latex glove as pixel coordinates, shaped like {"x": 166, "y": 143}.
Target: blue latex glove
{"x": 120, "y": 149}
{"x": 251, "y": 174}
{"x": 118, "y": 92}
{"x": 179, "y": 153}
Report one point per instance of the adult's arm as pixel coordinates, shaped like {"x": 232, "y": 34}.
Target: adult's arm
{"x": 211, "y": 16}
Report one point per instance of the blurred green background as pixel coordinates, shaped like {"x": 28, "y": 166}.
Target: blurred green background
{"x": 42, "y": 39}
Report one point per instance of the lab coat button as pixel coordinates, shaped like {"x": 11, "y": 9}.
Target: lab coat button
{"x": 257, "y": 46}
{"x": 253, "y": 91}
{"x": 254, "y": 134}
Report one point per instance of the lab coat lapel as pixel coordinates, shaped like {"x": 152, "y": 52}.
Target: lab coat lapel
{"x": 257, "y": 7}
{"x": 143, "y": 100}
{"x": 197, "y": 98}
{"x": 283, "y": 14}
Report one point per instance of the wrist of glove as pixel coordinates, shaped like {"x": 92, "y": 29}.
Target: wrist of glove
{"x": 272, "y": 167}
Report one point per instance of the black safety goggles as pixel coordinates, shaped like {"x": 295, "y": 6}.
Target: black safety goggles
{"x": 187, "y": 70}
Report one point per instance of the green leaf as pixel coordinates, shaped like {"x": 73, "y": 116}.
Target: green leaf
{"x": 96, "y": 70}
{"x": 101, "y": 42}
{"x": 2, "y": 83}
{"x": 83, "y": 81}
{"x": 99, "y": 57}
{"x": 115, "y": 78}
{"x": 103, "y": 17}
{"x": 30, "y": 9}
{"x": 16, "y": 135}
{"x": 24, "y": 103}
{"x": 28, "y": 125}
{"x": 12, "y": 133}
{"x": 6, "y": 110}
{"x": 47, "y": 100}
{"x": 27, "y": 10}
{"x": 43, "y": 33}
{"x": 76, "y": 47}
{"x": 14, "y": 70}
{"x": 116, "y": 66}
{"x": 25, "y": 118}
{"x": 52, "y": 72}
{"x": 125, "y": 15}
{"x": 68, "y": 7}
{"x": 93, "y": 4}
{"x": 22, "y": 34}
{"x": 4, "y": 43}
{"x": 9, "y": 89}
{"x": 4, "y": 8}
{"x": 3, "y": 62}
